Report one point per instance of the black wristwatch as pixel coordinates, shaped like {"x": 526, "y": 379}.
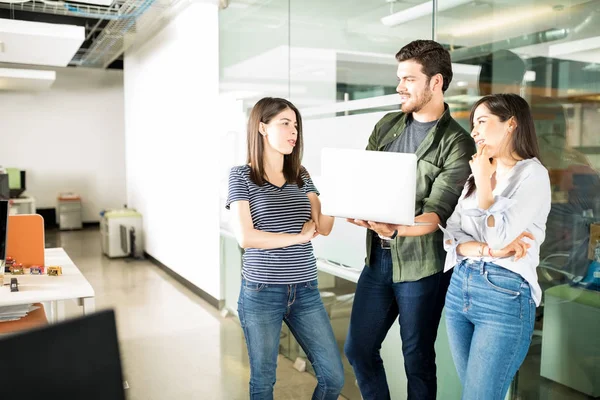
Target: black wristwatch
{"x": 394, "y": 234}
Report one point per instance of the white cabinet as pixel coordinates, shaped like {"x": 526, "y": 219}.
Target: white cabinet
{"x": 68, "y": 212}
{"x": 121, "y": 232}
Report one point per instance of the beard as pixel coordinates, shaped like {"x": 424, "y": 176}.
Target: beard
{"x": 421, "y": 100}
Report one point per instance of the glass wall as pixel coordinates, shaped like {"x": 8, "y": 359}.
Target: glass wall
{"x": 549, "y": 52}
{"x": 335, "y": 61}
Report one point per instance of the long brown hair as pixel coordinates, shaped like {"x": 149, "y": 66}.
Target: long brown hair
{"x": 264, "y": 111}
{"x": 523, "y": 141}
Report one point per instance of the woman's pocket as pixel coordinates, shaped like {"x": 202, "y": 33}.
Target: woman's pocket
{"x": 499, "y": 292}
{"x": 252, "y": 286}
{"x": 502, "y": 283}
{"x": 314, "y": 284}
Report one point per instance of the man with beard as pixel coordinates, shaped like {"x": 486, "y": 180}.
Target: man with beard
{"x": 404, "y": 275}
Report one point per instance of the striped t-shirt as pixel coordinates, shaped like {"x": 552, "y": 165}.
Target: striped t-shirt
{"x": 275, "y": 209}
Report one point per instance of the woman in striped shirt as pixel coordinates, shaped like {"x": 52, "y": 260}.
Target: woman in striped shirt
{"x": 276, "y": 214}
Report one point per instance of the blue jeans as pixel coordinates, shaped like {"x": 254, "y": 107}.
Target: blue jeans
{"x": 377, "y": 303}
{"x": 262, "y": 308}
{"x": 489, "y": 317}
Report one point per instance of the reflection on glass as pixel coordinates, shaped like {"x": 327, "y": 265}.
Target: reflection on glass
{"x": 254, "y": 50}
{"x": 548, "y": 61}
{"x": 343, "y": 51}
{"x": 337, "y": 295}
{"x": 319, "y": 53}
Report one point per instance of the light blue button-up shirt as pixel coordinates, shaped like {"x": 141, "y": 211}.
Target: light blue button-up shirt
{"x": 522, "y": 201}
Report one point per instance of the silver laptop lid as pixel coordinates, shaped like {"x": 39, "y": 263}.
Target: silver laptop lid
{"x": 369, "y": 185}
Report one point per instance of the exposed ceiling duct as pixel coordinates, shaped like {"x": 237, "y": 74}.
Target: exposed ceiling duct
{"x": 116, "y": 24}
{"x": 62, "y": 8}
{"x": 112, "y": 40}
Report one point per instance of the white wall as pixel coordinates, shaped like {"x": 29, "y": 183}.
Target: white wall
{"x": 172, "y": 146}
{"x": 69, "y": 138}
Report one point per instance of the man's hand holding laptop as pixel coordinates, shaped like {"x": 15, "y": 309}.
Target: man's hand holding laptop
{"x": 382, "y": 229}
{"x": 425, "y": 224}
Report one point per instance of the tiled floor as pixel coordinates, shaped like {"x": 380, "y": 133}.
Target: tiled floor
{"x": 176, "y": 346}
{"x": 173, "y": 344}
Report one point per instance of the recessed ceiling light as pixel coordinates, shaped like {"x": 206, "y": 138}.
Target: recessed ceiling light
{"x": 419, "y": 11}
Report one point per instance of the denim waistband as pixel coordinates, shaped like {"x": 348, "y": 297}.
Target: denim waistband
{"x": 484, "y": 266}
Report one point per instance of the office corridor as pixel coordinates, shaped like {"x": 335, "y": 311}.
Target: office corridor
{"x": 173, "y": 344}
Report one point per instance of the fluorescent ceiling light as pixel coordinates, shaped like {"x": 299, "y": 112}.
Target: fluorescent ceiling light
{"x": 500, "y": 21}
{"x": 420, "y": 11}
{"x": 26, "y": 79}
{"x": 37, "y": 43}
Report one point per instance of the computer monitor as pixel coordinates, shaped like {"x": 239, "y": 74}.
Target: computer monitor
{"x": 72, "y": 360}
{"x": 3, "y": 230}
{"x": 17, "y": 182}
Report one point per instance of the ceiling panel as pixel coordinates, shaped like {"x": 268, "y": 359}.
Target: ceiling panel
{"x": 36, "y": 43}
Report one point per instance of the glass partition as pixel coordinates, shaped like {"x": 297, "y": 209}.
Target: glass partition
{"x": 335, "y": 61}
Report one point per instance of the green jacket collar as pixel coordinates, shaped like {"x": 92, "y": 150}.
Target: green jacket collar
{"x": 434, "y": 135}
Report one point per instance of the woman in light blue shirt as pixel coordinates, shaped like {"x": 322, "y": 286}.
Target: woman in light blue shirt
{"x": 493, "y": 241}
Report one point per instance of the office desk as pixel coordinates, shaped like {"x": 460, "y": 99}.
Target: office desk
{"x": 71, "y": 285}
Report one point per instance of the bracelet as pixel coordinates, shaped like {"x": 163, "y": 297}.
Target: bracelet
{"x": 490, "y": 252}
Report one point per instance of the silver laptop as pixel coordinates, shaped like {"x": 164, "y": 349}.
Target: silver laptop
{"x": 369, "y": 185}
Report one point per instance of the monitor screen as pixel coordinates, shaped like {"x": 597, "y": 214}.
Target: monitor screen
{"x": 16, "y": 182}
{"x": 3, "y": 227}
{"x": 72, "y": 360}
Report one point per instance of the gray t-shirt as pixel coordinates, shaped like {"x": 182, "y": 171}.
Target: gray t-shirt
{"x": 413, "y": 136}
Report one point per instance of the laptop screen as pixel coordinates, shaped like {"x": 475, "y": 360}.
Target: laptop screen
{"x": 76, "y": 359}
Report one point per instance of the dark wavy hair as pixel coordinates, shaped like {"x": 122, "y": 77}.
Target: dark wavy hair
{"x": 523, "y": 141}
{"x": 434, "y": 59}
